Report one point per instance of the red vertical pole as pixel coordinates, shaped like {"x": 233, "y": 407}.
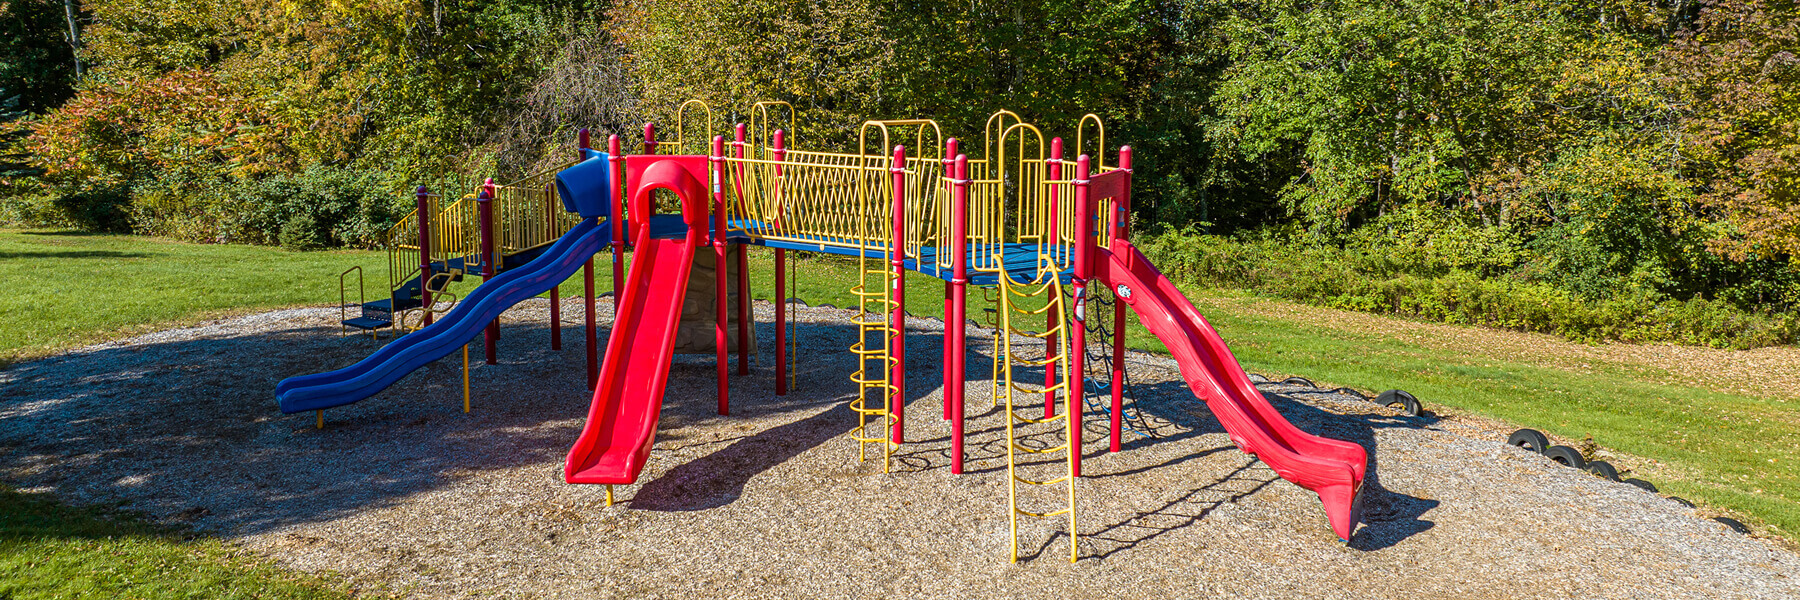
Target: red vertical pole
{"x": 593, "y": 350}
{"x": 1082, "y": 249}
{"x": 897, "y": 321}
{"x": 650, "y": 138}
{"x": 781, "y": 294}
{"x": 1052, "y": 319}
{"x": 722, "y": 299}
{"x": 423, "y": 198}
{"x": 556, "y": 317}
{"x": 617, "y": 217}
{"x": 1120, "y": 216}
{"x": 780, "y": 321}
{"x": 556, "y": 292}
{"x": 485, "y": 208}
{"x": 743, "y": 271}
{"x": 959, "y": 281}
{"x": 780, "y": 155}
{"x": 948, "y": 162}
{"x": 743, "y": 308}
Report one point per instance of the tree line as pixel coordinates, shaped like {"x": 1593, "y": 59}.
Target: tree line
{"x": 1643, "y": 151}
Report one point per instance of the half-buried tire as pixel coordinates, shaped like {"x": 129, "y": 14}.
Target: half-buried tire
{"x": 1529, "y": 439}
{"x": 1401, "y": 400}
{"x": 1566, "y": 456}
{"x": 1603, "y": 469}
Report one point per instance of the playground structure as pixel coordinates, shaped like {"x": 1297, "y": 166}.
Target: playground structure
{"x": 1043, "y": 232}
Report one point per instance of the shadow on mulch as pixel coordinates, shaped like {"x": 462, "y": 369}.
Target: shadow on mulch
{"x": 191, "y": 427}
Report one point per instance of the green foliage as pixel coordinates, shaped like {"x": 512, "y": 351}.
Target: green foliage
{"x": 1391, "y": 103}
{"x": 103, "y": 207}
{"x": 1638, "y": 154}
{"x": 302, "y": 233}
{"x": 15, "y": 164}
{"x": 1460, "y": 275}
{"x": 343, "y": 207}
{"x": 36, "y": 62}
{"x": 1738, "y": 71}
{"x": 333, "y": 207}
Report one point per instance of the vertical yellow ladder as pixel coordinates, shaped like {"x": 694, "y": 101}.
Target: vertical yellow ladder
{"x": 875, "y": 402}
{"x": 1011, "y": 294}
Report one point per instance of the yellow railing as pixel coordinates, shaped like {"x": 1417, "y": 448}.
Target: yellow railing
{"x": 454, "y": 234}
{"x": 1021, "y": 196}
{"x": 527, "y": 214}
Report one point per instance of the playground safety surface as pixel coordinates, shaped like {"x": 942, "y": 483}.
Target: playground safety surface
{"x": 405, "y": 493}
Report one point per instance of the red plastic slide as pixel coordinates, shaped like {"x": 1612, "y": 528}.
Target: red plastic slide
{"x": 1332, "y": 468}
{"x": 621, "y": 423}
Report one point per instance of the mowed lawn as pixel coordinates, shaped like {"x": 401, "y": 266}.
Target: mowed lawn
{"x": 65, "y": 289}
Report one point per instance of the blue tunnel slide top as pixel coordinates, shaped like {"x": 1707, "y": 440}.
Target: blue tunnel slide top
{"x": 585, "y": 189}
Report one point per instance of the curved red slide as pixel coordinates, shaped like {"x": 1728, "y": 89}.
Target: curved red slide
{"x": 621, "y": 422}
{"x": 1332, "y": 468}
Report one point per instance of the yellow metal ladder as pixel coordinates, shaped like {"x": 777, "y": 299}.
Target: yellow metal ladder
{"x": 1012, "y": 293}
{"x": 875, "y": 402}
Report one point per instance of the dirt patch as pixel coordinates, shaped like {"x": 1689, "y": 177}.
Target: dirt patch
{"x": 404, "y": 491}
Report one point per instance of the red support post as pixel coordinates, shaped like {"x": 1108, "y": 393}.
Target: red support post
{"x": 780, "y": 153}
{"x": 618, "y": 217}
{"x": 781, "y": 295}
{"x": 959, "y": 282}
{"x": 781, "y": 304}
{"x": 897, "y": 321}
{"x": 556, "y": 317}
{"x": 485, "y": 207}
{"x": 743, "y": 267}
{"x": 948, "y": 162}
{"x": 422, "y": 197}
{"x": 947, "y": 350}
{"x": 1121, "y": 215}
{"x": 1052, "y": 319}
{"x": 593, "y": 340}
{"x": 582, "y": 142}
{"x": 650, "y": 138}
{"x": 1083, "y": 248}
{"x": 722, "y": 299}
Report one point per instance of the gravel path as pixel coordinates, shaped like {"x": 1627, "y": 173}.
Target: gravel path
{"x": 404, "y": 492}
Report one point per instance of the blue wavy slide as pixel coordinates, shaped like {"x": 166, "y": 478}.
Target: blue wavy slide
{"x": 448, "y": 334}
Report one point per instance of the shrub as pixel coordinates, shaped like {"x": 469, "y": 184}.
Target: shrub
{"x": 94, "y": 208}
{"x": 340, "y": 207}
{"x": 347, "y": 207}
{"x": 1445, "y": 285}
{"x": 302, "y": 233}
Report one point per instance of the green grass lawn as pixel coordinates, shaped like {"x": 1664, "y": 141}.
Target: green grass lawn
{"x": 50, "y": 550}
{"x": 1729, "y": 451}
{"x": 65, "y": 289}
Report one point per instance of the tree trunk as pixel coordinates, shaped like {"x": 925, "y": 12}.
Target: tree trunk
{"x": 74, "y": 36}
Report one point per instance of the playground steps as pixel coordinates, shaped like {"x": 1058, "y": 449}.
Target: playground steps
{"x": 379, "y": 314}
{"x": 1026, "y": 436}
